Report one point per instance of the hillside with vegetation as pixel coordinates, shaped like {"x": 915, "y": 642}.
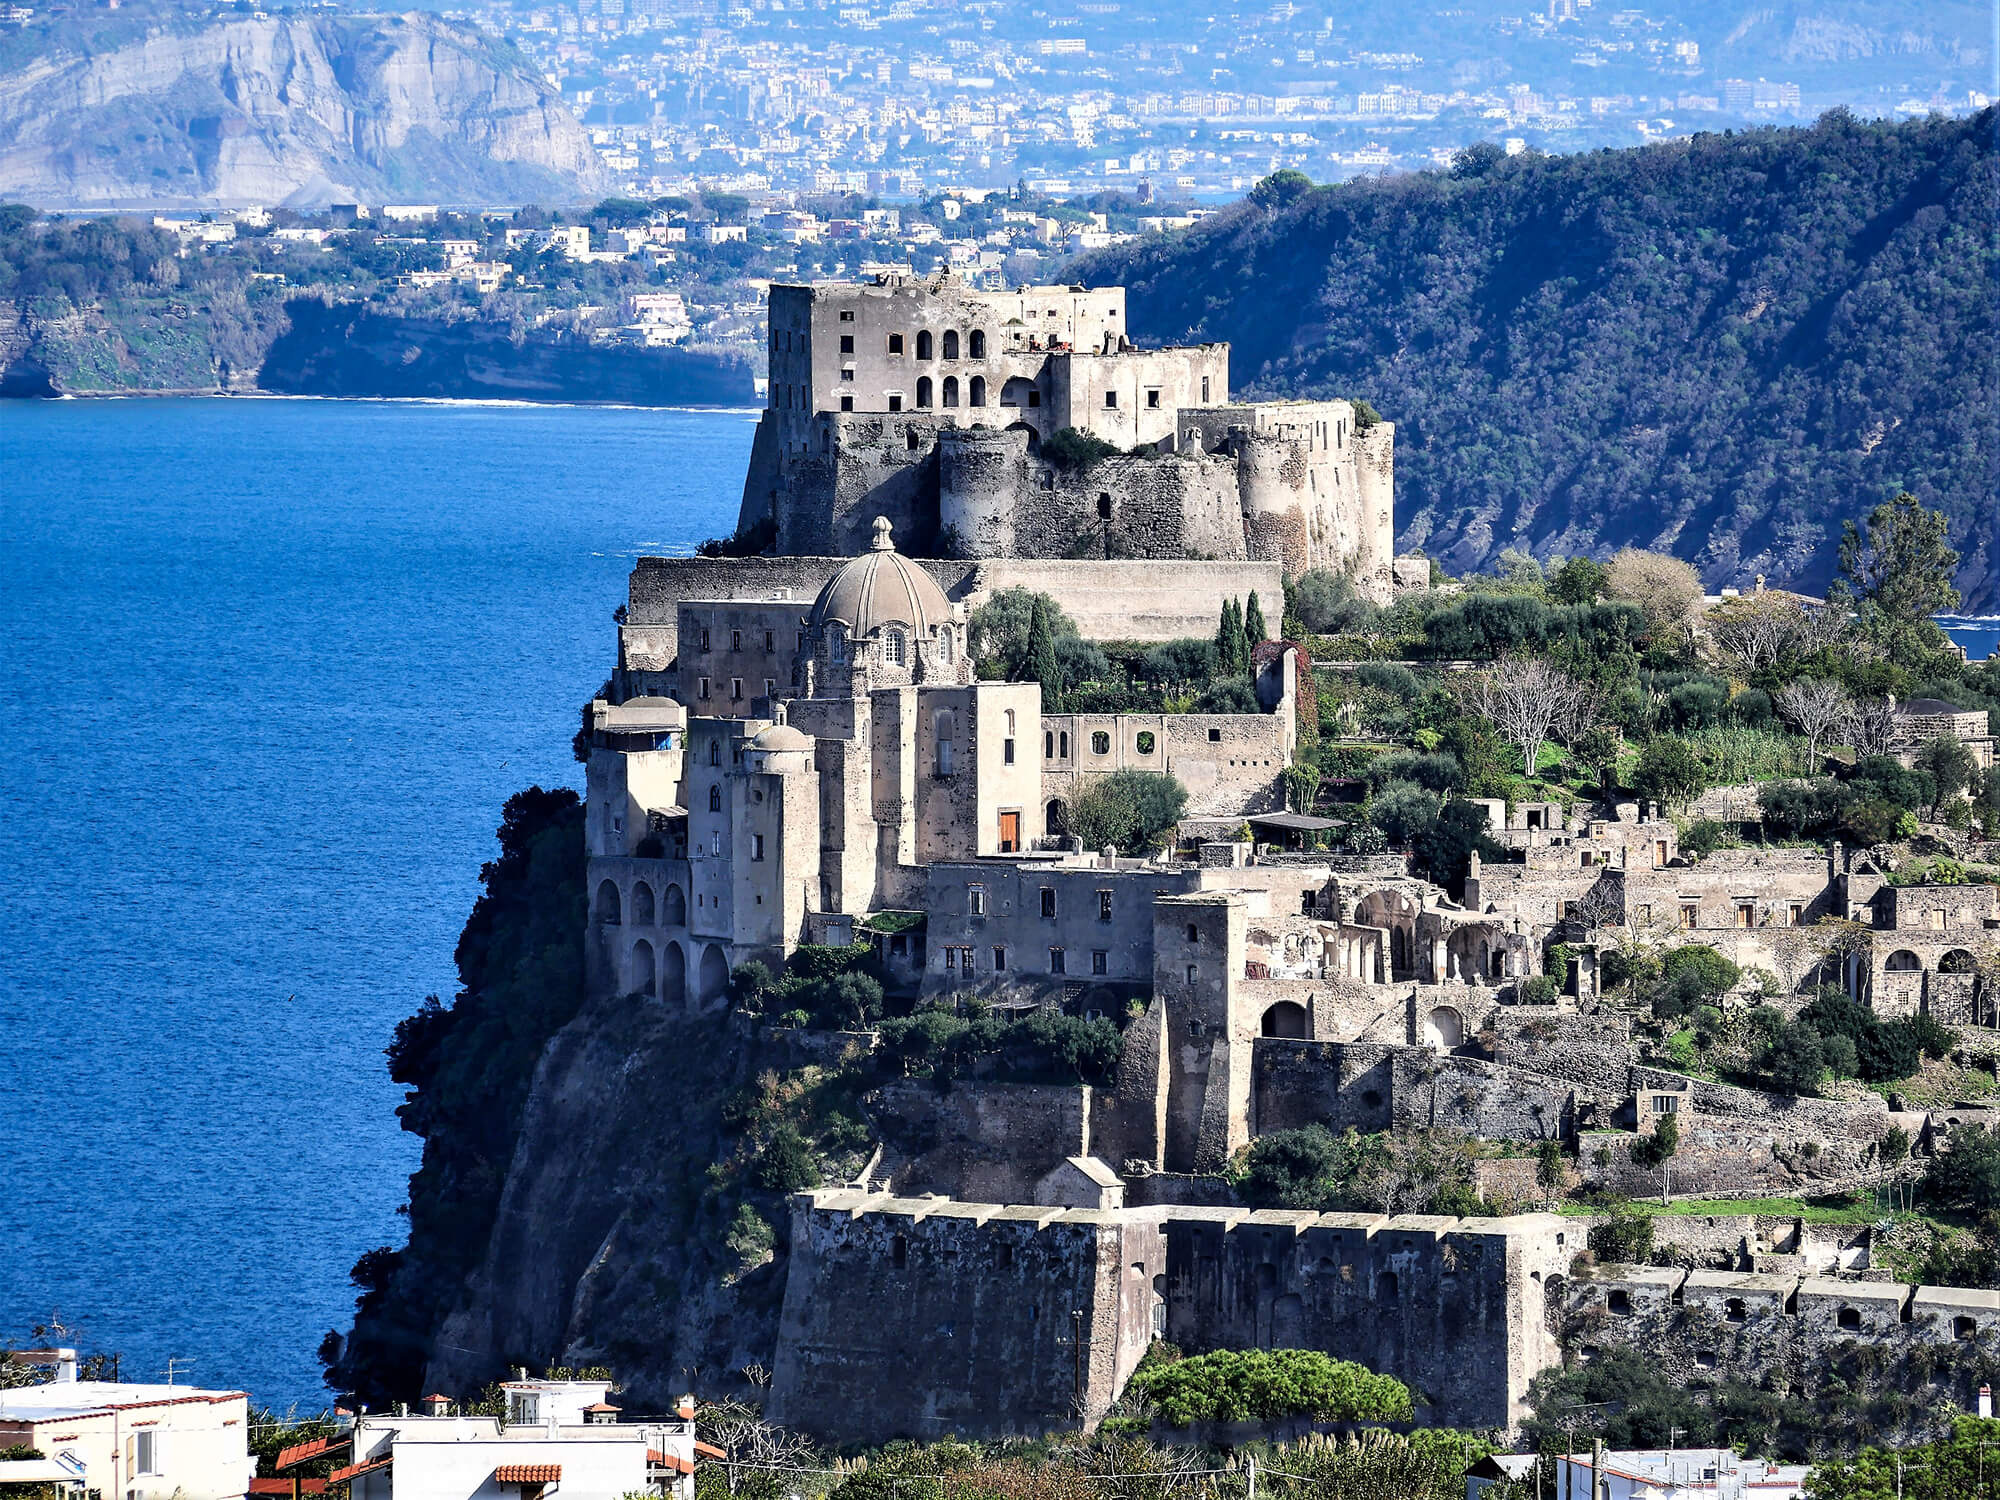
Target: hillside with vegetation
{"x": 1720, "y": 347}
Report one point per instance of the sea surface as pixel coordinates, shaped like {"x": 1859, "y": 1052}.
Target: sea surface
{"x": 268, "y": 670}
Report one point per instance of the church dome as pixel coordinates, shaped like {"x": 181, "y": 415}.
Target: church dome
{"x": 880, "y": 587}
{"x": 780, "y": 737}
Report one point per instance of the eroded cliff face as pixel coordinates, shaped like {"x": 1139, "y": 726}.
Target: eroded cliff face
{"x": 301, "y": 110}
{"x": 608, "y": 1247}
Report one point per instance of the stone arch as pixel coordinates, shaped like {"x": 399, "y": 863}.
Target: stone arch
{"x": 1397, "y": 912}
{"x": 713, "y": 977}
{"x": 1444, "y": 1029}
{"x": 673, "y": 973}
{"x": 951, "y": 390}
{"x": 1017, "y": 390}
{"x": 641, "y": 973}
{"x": 1055, "y": 818}
{"x": 1848, "y": 1319}
{"x": 951, "y": 343}
{"x": 924, "y": 391}
{"x": 1902, "y": 961}
{"x": 1471, "y": 950}
{"x": 976, "y": 391}
{"x": 1735, "y": 1310}
{"x": 923, "y": 343}
{"x": 674, "y": 907}
{"x": 976, "y": 345}
{"x": 1958, "y": 961}
{"x": 1287, "y": 1019}
{"x": 1034, "y": 437}
{"x": 606, "y": 912}
{"x": 642, "y": 904}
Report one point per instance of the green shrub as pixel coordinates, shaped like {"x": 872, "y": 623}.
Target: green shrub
{"x": 1131, "y": 809}
{"x": 1269, "y": 1385}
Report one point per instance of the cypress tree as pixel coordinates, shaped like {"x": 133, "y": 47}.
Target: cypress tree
{"x": 1228, "y": 638}
{"x": 1253, "y": 623}
{"x": 1042, "y": 661}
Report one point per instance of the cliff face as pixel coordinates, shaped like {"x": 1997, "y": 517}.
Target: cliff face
{"x": 302, "y": 110}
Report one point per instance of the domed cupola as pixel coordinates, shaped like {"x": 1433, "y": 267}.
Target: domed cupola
{"x": 882, "y": 621}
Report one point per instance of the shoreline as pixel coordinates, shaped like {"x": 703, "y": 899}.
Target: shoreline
{"x": 219, "y": 393}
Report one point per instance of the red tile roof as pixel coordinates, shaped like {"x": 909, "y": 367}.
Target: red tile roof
{"x": 528, "y": 1474}
{"x": 708, "y": 1452}
{"x": 342, "y": 1476}
{"x": 284, "y": 1486}
{"x": 300, "y": 1453}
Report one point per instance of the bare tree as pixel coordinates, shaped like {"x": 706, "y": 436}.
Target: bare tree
{"x": 1873, "y": 726}
{"x": 1764, "y": 629}
{"x": 1815, "y": 705}
{"x": 1525, "y": 697}
{"x": 749, "y": 1443}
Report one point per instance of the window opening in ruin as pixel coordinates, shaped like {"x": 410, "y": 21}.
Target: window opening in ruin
{"x": 1100, "y": 743}
{"x": 924, "y": 343}
{"x": 978, "y": 343}
{"x": 951, "y": 343}
{"x": 1306, "y": 903}
{"x": 1903, "y": 961}
{"x": 1048, "y": 901}
{"x": 976, "y": 391}
{"x": 1195, "y": 1025}
{"x": 924, "y": 391}
{"x": 910, "y": 440}
{"x": 1103, "y": 506}
{"x": 847, "y": 403}
{"x": 1111, "y": 401}
{"x": 1144, "y": 742}
{"x": 1204, "y": 390}
{"x": 847, "y": 343}
{"x": 1619, "y": 1301}
{"x": 704, "y": 638}
{"x": 895, "y": 343}
{"x": 1055, "y": 818}
{"x": 1104, "y": 906}
{"x": 1215, "y": 736}
{"x": 895, "y": 401}
{"x": 1385, "y": 1287}
{"x": 975, "y": 900}
{"x": 1964, "y": 1328}
{"x": 1746, "y": 914}
{"x": 1152, "y": 400}
{"x": 1795, "y": 914}
{"x": 1056, "y": 961}
{"x": 1734, "y": 1310}
{"x": 1849, "y": 1318}
{"x": 1003, "y": 1255}
{"x": 701, "y": 688}
{"x": 899, "y": 1251}
{"x": 999, "y": 959}
{"x": 1690, "y": 914}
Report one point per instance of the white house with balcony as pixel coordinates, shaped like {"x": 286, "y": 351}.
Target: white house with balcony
{"x": 129, "y": 1442}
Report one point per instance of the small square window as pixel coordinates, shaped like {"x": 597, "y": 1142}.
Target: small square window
{"x": 848, "y": 374}
{"x": 847, "y": 317}
{"x": 895, "y": 401}
{"x": 1215, "y": 736}
{"x": 1152, "y": 400}
{"x": 847, "y": 343}
{"x": 1111, "y": 401}
{"x": 895, "y": 343}
{"x": 847, "y": 403}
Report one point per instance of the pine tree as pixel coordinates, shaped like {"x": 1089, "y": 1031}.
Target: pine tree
{"x": 1253, "y": 623}
{"x": 1042, "y": 663}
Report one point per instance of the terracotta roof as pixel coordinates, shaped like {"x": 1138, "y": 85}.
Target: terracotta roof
{"x": 528, "y": 1474}
{"x": 300, "y": 1453}
{"x": 600, "y": 1406}
{"x": 284, "y": 1486}
{"x": 707, "y": 1451}
{"x": 341, "y": 1476}
{"x": 672, "y": 1462}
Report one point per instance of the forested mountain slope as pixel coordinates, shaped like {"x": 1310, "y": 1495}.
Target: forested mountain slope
{"x": 1721, "y": 347}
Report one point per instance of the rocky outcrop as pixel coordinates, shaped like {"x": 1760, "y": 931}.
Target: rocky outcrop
{"x": 302, "y": 109}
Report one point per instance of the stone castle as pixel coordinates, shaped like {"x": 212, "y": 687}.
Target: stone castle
{"x": 796, "y": 746}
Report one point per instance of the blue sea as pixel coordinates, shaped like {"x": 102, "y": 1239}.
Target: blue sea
{"x": 268, "y": 670}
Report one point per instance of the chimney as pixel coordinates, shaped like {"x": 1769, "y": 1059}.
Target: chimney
{"x": 1986, "y": 1401}
{"x": 65, "y": 1367}
{"x": 686, "y": 1407}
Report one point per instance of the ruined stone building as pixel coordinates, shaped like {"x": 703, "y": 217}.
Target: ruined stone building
{"x": 933, "y": 404}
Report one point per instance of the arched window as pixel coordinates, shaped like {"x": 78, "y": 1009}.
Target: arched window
{"x": 978, "y": 391}
{"x": 1063, "y": 740}
{"x": 715, "y": 752}
{"x": 674, "y": 908}
{"x": 1055, "y": 818}
{"x": 978, "y": 344}
{"x": 923, "y": 343}
{"x": 951, "y": 343}
{"x": 642, "y": 968}
{"x": 944, "y": 644}
{"x": 1903, "y": 961}
{"x": 1385, "y": 1287}
{"x": 1100, "y": 743}
{"x": 1958, "y": 961}
{"x": 715, "y": 799}
{"x": 1849, "y": 1318}
{"x": 924, "y": 391}
{"x": 607, "y": 904}
{"x": 951, "y": 390}
{"x": 642, "y": 905}
{"x": 894, "y": 647}
{"x": 1286, "y": 1019}
{"x": 836, "y": 643}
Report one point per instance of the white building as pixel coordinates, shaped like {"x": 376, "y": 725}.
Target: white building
{"x": 133, "y": 1442}
{"x": 1683, "y": 1474}
{"x": 560, "y": 1438}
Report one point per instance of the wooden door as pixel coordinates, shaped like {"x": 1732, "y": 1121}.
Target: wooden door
{"x": 1010, "y": 833}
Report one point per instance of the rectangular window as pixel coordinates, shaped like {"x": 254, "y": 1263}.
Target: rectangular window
{"x": 847, "y": 343}
{"x": 770, "y": 642}
{"x": 1007, "y": 752}
{"x": 895, "y": 343}
{"x": 1111, "y": 401}
{"x": 847, "y": 374}
{"x": 1666, "y": 1104}
{"x": 848, "y": 316}
{"x": 1099, "y": 961}
{"x": 1190, "y": 974}
{"x": 847, "y": 403}
{"x": 770, "y": 687}
{"x": 736, "y": 689}
{"x": 895, "y": 401}
{"x": 1746, "y": 914}
{"x": 1104, "y": 906}
{"x": 704, "y": 638}
{"x": 1048, "y": 744}
{"x": 1056, "y": 961}
{"x": 1937, "y": 920}
{"x": 1152, "y": 400}
{"x": 1796, "y": 914}
{"x": 999, "y": 959}
{"x": 1644, "y": 913}
{"x": 1010, "y": 832}
{"x": 1049, "y": 902}
{"x": 1204, "y": 390}
{"x": 146, "y": 1458}
{"x": 975, "y": 900}
{"x": 1690, "y": 914}
{"x": 756, "y": 846}
{"x": 735, "y": 640}
{"x": 701, "y": 689}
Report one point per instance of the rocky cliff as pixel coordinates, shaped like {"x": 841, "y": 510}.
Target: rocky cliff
{"x": 301, "y": 109}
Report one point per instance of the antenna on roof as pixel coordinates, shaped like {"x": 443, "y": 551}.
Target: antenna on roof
{"x": 176, "y": 1366}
